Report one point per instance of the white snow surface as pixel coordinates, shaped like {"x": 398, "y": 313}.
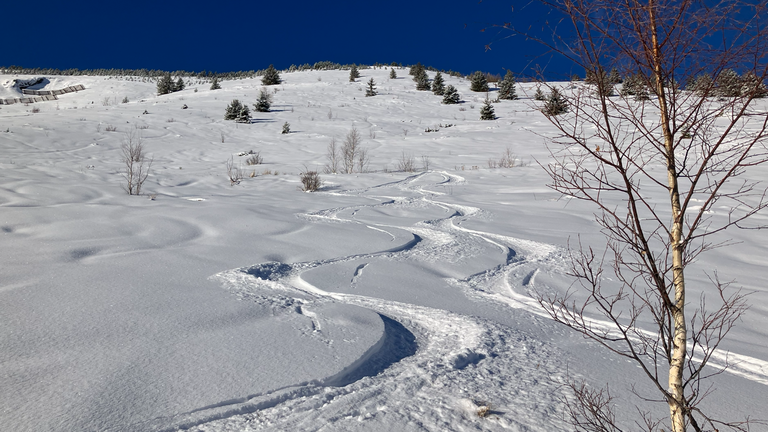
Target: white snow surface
{"x": 385, "y": 301}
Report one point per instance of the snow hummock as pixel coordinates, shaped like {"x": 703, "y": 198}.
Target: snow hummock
{"x": 384, "y": 301}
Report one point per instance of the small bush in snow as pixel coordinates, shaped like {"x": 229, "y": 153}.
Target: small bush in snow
{"x": 215, "y": 84}
{"x": 310, "y": 181}
{"x": 392, "y": 74}
{"x": 286, "y": 128}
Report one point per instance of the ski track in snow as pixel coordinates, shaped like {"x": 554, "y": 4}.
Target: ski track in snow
{"x": 431, "y": 352}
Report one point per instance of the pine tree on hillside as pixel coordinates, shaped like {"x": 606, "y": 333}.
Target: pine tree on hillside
{"x": 392, "y": 74}
{"x": 271, "y": 76}
{"x": 438, "y": 85}
{"x": 353, "y": 73}
{"x": 507, "y": 87}
{"x": 416, "y": 70}
{"x": 451, "y": 96}
{"x": 728, "y": 84}
{"x": 236, "y": 111}
{"x": 179, "y": 85}
{"x": 479, "y": 83}
{"x": 264, "y": 102}
{"x": 614, "y": 77}
{"x": 635, "y": 86}
{"x": 555, "y": 104}
{"x": 702, "y": 85}
{"x": 244, "y": 116}
{"x": 752, "y": 85}
{"x": 165, "y": 85}
{"x": 487, "y": 112}
{"x": 371, "y": 90}
{"x": 539, "y": 95}
{"x": 422, "y": 81}
{"x": 215, "y": 84}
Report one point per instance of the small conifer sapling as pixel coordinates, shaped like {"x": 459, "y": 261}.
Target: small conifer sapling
{"x": 487, "y": 112}
{"x": 451, "y": 96}
{"x": 479, "y": 83}
{"x": 264, "y": 102}
{"x": 371, "y": 90}
{"x": 392, "y": 74}
{"x": 271, "y": 76}
{"x": 438, "y": 85}
{"x": 215, "y": 84}
{"x": 507, "y": 87}
{"x": 286, "y": 128}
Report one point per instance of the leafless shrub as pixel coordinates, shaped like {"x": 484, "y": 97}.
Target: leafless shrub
{"x": 352, "y": 154}
{"x": 110, "y": 128}
{"x": 136, "y": 165}
{"x": 255, "y": 159}
{"x": 234, "y": 173}
{"x": 105, "y": 101}
{"x": 507, "y": 160}
{"x": 425, "y": 163}
{"x": 406, "y": 163}
{"x": 222, "y": 137}
{"x": 170, "y": 120}
{"x": 35, "y": 110}
{"x": 310, "y": 180}
{"x": 334, "y": 158}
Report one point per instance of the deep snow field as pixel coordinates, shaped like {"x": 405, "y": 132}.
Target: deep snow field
{"x": 386, "y": 301}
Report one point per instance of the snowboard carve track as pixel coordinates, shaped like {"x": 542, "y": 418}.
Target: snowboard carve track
{"x": 443, "y": 342}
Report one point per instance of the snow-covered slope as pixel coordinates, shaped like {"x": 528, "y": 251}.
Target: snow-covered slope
{"x": 385, "y": 301}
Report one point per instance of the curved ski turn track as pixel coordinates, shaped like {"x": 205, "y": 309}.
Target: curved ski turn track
{"x": 434, "y": 367}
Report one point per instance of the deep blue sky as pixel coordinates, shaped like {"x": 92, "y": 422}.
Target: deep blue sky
{"x": 226, "y": 36}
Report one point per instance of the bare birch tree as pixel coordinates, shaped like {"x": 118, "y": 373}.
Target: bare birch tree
{"x": 136, "y": 164}
{"x": 655, "y": 170}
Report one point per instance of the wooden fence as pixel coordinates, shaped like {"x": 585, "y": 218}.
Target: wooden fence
{"x": 41, "y": 95}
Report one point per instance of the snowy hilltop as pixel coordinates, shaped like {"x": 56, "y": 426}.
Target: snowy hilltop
{"x": 400, "y": 295}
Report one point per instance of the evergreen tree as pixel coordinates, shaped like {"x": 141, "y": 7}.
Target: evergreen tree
{"x": 416, "y": 70}
{"x": 479, "y": 83}
{"x": 215, "y": 84}
{"x": 422, "y": 81}
{"x": 392, "y": 74}
{"x": 264, "y": 102}
{"x": 752, "y": 85}
{"x": 614, "y": 77}
{"x": 728, "y": 84}
{"x": 486, "y": 112}
{"x": 165, "y": 85}
{"x": 451, "y": 96}
{"x": 271, "y": 76}
{"x": 353, "y": 73}
{"x": 244, "y": 116}
{"x": 702, "y": 85}
{"x": 507, "y": 87}
{"x": 635, "y": 86}
{"x": 371, "y": 90}
{"x": 438, "y": 85}
{"x": 539, "y": 95}
{"x": 286, "y": 128}
{"x": 555, "y": 104}
{"x": 179, "y": 85}
{"x": 233, "y": 110}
